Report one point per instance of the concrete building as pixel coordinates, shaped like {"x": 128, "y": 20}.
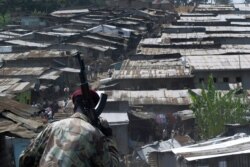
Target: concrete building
{"x": 225, "y": 70}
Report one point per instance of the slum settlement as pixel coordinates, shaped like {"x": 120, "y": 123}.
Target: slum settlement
{"x": 146, "y": 59}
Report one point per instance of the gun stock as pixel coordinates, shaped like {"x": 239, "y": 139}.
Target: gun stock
{"x": 101, "y": 104}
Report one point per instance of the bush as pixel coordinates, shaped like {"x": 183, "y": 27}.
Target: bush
{"x": 213, "y": 109}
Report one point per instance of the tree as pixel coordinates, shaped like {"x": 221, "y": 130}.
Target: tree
{"x": 213, "y": 109}
{"x": 6, "y": 6}
{"x": 98, "y": 2}
{"x": 43, "y": 6}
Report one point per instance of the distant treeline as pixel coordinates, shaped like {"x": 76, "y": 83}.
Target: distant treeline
{"x": 10, "y": 7}
{"x": 41, "y": 5}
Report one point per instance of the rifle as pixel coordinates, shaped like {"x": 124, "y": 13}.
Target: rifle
{"x": 93, "y": 112}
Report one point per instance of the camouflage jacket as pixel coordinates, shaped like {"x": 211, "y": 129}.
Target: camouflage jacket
{"x": 72, "y": 142}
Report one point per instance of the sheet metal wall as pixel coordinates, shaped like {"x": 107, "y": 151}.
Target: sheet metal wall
{"x": 5, "y": 153}
{"x": 230, "y": 161}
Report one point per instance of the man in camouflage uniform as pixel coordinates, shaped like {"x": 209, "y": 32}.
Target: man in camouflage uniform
{"x": 72, "y": 142}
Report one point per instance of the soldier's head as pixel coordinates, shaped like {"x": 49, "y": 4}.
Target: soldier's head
{"x": 77, "y": 98}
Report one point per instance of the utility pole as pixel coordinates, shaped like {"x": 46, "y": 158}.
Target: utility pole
{"x": 239, "y": 62}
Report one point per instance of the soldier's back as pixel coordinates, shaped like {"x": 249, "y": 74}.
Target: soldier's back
{"x": 72, "y": 142}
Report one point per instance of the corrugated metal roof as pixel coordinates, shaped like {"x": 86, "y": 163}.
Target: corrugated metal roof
{"x": 155, "y": 51}
{"x": 19, "y": 87}
{"x": 188, "y": 52}
{"x": 64, "y": 34}
{"x": 70, "y": 30}
{"x": 153, "y": 41}
{"x": 160, "y": 68}
{"x": 9, "y": 81}
{"x": 231, "y": 35}
{"x": 10, "y": 128}
{"x": 240, "y": 23}
{"x": 219, "y": 62}
{"x": 6, "y": 49}
{"x": 128, "y": 22}
{"x": 98, "y": 47}
{"x": 217, "y": 17}
{"x": 230, "y": 46}
{"x": 96, "y": 18}
{"x": 185, "y": 114}
{"x": 15, "y": 119}
{"x": 166, "y": 42}
{"x": 9, "y": 33}
{"x": 101, "y": 28}
{"x": 27, "y": 43}
{"x": 72, "y": 70}
{"x": 4, "y": 88}
{"x": 242, "y": 6}
{"x": 157, "y": 146}
{"x": 199, "y": 35}
{"x": 213, "y": 8}
{"x": 2, "y": 36}
{"x": 197, "y": 14}
{"x": 20, "y": 109}
{"x": 153, "y": 12}
{"x": 9, "y": 56}
{"x": 214, "y": 28}
{"x": 218, "y": 6}
{"x": 34, "y": 54}
{"x": 14, "y": 87}
{"x": 116, "y": 118}
{"x": 158, "y": 2}
{"x": 7, "y": 84}
{"x": 195, "y": 35}
{"x": 227, "y": 28}
{"x": 182, "y": 26}
{"x": 133, "y": 18}
{"x": 227, "y": 146}
{"x": 52, "y": 75}
{"x": 103, "y": 39}
{"x": 202, "y": 19}
{"x": 69, "y": 13}
{"x": 84, "y": 22}
{"x": 234, "y": 15}
{"x": 17, "y": 71}
{"x": 156, "y": 97}
{"x": 21, "y": 30}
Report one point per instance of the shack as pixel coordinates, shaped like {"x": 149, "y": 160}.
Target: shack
{"x": 225, "y": 151}
{"x": 115, "y": 112}
{"x": 139, "y": 75}
{"x": 17, "y": 126}
{"x": 225, "y": 69}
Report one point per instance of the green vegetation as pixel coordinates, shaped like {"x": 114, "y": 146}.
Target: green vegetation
{"x": 46, "y": 6}
{"x": 38, "y": 7}
{"x": 4, "y": 19}
{"x": 213, "y": 109}
{"x": 98, "y": 2}
{"x": 5, "y": 7}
